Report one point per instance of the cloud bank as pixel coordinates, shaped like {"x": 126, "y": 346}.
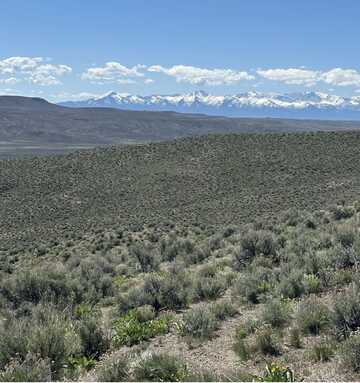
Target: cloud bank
{"x": 35, "y": 70}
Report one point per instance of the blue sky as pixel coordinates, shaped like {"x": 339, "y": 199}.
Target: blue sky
{"x": 62, "y": 49}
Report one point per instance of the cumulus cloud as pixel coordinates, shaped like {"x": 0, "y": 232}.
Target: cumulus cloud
{"x": 341, "y": 77}
{"x": 202, "y": 76}
{"x": 300, "y": 76}
{"x": 36, "y": 70}
{"x": 113, "y": 72}
{"x": 291, "y": 76}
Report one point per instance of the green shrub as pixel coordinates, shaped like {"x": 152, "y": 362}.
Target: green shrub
{"x": 266, "y": 342}
{"x": 169, "y": 290}
{"x": 146, "y": 257}
{"x": 276, "y": 313}
{"x": 13, "y": 342}
{"x": 350, "y": 352}
{"x": 346, "y": 312}
{"x": 94, "y": 341}
{"x": 210, "y": 288}
{"x": 249, "y": 288}
{"x": 175, "y": 289}
{"x": 199, "y": 254}
{"x": 276, "y": 373}
{"x": 241, "y": 348}
{"x": 295, "y": 337}
{"x": 323, "y": 350}
{"x": 345, "y": 258}
{"x": 342, "y": 212}
{"x": 32, "y": 369}
{"x": 246, "y": 328}
{"x": 198, "y": 322}
{"x": 291, "y": 285}
{"x": 223, "y": 310}
{"x": 160, "y": 368}
{"x": 114, "y": 369}
{"x": 312, "y": 316}
{"x": 311, "y": 283}
{"x": 216, "y": 242}
{"x": 144, "y": 313}
{"x": 346, "y": 235}
{"x": 38, "y": 285}
{"x": 77, "y": 364}
{"x": 51, "y": 338}
{"x": 129, "y": 330}
{"x": 254, "y": 243}
{"x": 172, "y": 246}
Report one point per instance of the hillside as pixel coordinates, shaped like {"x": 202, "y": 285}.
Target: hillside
{"x": 257, "y": 302}
{"x": 215, "y": 180}
{"x": 33, "y": 126}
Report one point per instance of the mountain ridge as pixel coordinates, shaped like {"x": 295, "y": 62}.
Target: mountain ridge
{"x": 251, "y": 104}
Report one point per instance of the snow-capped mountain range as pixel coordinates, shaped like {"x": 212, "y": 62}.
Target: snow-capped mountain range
{"x": 250, "y": 104}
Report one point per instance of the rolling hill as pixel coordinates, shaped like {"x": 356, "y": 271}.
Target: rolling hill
{"x": 35, "y": 126}
{"x": 215, "y": 179}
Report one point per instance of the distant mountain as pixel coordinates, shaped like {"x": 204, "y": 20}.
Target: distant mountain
{"x": 35, "y": 124}
{"x": 252, "y": 104}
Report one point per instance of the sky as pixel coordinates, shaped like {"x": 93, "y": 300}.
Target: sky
{"x": 69, "y": 50}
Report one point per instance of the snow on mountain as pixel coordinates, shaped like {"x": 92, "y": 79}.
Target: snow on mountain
{"x": 296, "y": 105}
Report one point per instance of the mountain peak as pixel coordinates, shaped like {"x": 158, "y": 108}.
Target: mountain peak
{"x": 307, "y": 104}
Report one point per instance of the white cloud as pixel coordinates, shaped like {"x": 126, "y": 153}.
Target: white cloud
{"x": 113, "y": 72}
{"x": 33, "y": 69}
{"x": 19, "y": 64}
{"x": 65, "y": 96}
{"x": 341, "y": 77}
{"x": 148, "y": 81}
{"x": 9, "y": 81}
{"x": 291, "y": 76}
{"x": 300, "y": 76}
{"x": 202, "y": 76}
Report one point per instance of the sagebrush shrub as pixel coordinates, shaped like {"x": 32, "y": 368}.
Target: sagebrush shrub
{"x": 38, "y": 285}
{"x": 291, "y": 285}
{"x": 209, "y": 288}
{"x": 241, "y": 348}
{"x": 198, "y": 322}
{"x": 266, "y": 342}
{"x": 146, "y": 257}
{"x": 342, "y": 212}
{"x": 250, "y": 288}
{"x": 312, "y": 316}
{"x": 223, "y": 310}
{"x": 346, "y": 312}
{"x": 295, "y": 337}
{"x": 113, "y": 369}
{"x": 160, "y": 368}
{"x": 323, "y": 350}
{"x": 276, "y": 313}
{"x": 94, "y": 341}
{"x": 350, "y": 352}
{"x": 31, "y": 369}
{"x": 312, "y": 284}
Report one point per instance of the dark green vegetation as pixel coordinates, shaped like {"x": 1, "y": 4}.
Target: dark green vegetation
{"x": 31, "y": 126}
{"x": 272, "y": 299}
{"x": 214, "y": 180}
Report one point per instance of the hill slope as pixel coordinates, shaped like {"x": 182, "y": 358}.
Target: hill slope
{"x": 33, "y": 126}
{"x": 212, "y": 179}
